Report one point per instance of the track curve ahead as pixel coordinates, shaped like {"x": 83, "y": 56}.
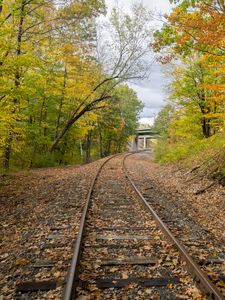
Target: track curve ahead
{"x": 120, "y": 253}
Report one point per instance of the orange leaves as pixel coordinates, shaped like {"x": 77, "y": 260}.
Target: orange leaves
{"x": 21, "y": 262}
{"x": 217, "y": 98}
{"x": 214, "y": 87}
{"x": 204, "y": 26}
{"x": 202, "y": 30}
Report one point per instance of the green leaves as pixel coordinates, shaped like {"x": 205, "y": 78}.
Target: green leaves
{"x": 54, "y": 89}
{"x": 194, "y": 34}
{"x": 33, "y": 35}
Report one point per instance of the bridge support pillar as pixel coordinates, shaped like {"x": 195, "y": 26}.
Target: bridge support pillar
{"x": 145, "y": 142}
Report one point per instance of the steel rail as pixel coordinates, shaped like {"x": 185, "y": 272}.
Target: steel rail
{"x": 70, "y": 288}
{"x": 203, "y": 283}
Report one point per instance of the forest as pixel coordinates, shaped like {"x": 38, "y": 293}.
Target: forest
{"x": 64, "y": 97}
{"x": 191, "y": 43}
{"x": 64, "y": 74}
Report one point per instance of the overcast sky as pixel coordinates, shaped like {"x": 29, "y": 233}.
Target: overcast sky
{"x": 150, "y": 91}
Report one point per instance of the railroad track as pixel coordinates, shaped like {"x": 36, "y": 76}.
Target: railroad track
{"x": 207, "y": 249}
{"x": 121, "y": 253}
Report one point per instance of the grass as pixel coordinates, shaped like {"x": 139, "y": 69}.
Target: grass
{"x": 188, "y": 153}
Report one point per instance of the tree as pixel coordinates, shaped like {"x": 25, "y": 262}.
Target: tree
{"x": 163, "y": 120}
{"x": 195, "y": 31}
{"x": 55, "y": 86}
{"x": 31, "y": 34}
{"x": 192, "y": 40}
{"x": 126, "y": 51}
{"x": 201, "y": 24}
{"x": 118, "y": 122}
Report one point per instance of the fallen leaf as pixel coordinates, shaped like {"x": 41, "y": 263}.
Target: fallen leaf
{"x": 147, "y": 248}
{"x": 21, "y": 262}
{"x": 148, "y": 291}
{"x": 113, "y": 269}
{"x": 125, "y": 275}
{"x": 93, "y": 288}
{"x": 57, "y": 274}
{"x": 130, "y": 286}
{"x": 168, "y": 263}
{"x": 185, "y": 279}
{"x": 4, "y": 255}
{"x": 83, "y": 297}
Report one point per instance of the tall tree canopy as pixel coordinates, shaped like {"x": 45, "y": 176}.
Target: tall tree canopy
{"x": 56, "y": 79}
{"x": 193, "y": 39}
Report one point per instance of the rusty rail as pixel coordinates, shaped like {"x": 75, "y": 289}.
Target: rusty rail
{"x": 202, "y": 281}
{"x": 70, "y": 289}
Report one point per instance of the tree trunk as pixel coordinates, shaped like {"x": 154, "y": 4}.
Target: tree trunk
{"x": 45, "y": 119}
{"x": 8, "y": 148}
{"x": 88, "y": 147}
{"x": 100, "y": 143}
{"x": 41, "y": 111}
{"x": 119, "y": 147}
{"x": 76, "y": 116}
{"x": 108, "y": 148}
{"x": 7, "y": 153}
{"x": 61, "y": 104}
{"x": 205, "y": 127}
{"x": 81, "y": 149}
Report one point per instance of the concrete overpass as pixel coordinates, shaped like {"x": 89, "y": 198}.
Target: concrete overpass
{"x": 143, "y": 138}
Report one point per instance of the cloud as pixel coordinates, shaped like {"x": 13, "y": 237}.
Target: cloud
{"x": 148, "y": 121}
{"x": 151, "y": 91}
{"x": 149, "y": 95}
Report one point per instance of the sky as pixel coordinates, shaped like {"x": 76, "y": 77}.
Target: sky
{"x": 151, "y": 91}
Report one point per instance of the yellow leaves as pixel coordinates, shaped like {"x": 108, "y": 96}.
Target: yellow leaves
{"x": 214, "y": 86}
{"x": 78, "y": 8}
{"x": 185, "y": 280}
{"x": 175, "y": 13}
{"x": 216, "y": 115}
{"x": 217, "y": 98}
{"x": 94, "y": 290}
{"x": 221, "y": 284}
{"x": 203, "y": 25}
{"x": 81, "y": 78}
{"x": 220, "y": 70}
{"x": 67, "y": 49}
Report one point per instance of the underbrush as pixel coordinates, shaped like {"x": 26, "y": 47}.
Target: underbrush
{"x": 205, "y": 156}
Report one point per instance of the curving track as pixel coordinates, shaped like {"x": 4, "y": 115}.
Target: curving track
{"x": 121, "y": 254}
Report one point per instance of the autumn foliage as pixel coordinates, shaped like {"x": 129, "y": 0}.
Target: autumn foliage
{"x": 193, "y": 40}
{"x": 55, "y": 88}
